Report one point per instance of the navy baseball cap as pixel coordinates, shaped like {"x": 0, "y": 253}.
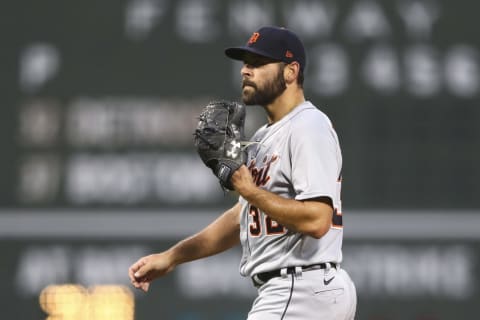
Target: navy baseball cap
{"x": 272, "y": 42}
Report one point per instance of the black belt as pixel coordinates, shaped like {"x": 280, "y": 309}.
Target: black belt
{"x": 263, "y": 277}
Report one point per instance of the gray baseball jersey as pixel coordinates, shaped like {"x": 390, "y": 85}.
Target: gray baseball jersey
{"x": 298, "y": 157}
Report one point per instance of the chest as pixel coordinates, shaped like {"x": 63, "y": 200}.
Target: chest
{"x": 269, "y": 162}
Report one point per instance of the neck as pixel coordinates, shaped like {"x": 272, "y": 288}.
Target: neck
{"x": 285, "y": 103}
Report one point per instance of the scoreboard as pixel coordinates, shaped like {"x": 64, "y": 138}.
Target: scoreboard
{"x": 98, "y": 103}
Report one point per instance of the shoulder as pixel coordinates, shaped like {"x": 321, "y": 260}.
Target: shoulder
{"x": 310, "y": 119}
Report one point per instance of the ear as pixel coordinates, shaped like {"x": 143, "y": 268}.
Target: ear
{"x": 290, "y": 72}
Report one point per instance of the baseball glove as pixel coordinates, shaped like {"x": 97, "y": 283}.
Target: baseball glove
{"x": 219, "y": 139}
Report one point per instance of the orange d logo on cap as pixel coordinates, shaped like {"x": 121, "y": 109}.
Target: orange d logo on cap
{"x": 254, "y": 37}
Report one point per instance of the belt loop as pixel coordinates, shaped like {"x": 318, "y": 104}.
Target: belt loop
{"x": 298, "y": 272}
{"x": 328, "y": 266}
{"x": 283, "y": 272}
{"x": 257, "y": 282}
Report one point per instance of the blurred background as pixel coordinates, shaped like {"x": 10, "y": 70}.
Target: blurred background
{"x": 98, "y": 104}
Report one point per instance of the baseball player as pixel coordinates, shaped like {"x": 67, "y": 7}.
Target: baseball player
{"x": 288, "y": 218}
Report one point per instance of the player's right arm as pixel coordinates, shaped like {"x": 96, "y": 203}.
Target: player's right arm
{"x": 220, "y": 235}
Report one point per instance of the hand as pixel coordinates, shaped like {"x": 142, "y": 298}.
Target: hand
{"x": 242, "y": 181}
{"x": 148, "y": 268}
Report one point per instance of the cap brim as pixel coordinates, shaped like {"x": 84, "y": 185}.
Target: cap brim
{"x": 238, "y": 53}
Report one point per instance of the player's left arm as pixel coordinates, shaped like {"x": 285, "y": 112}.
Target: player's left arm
{"x": 312, "y": 217}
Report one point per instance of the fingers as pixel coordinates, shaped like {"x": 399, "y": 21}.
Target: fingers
{"x": 144, "y": 286}
{"x": 242, "y": 180}
{"x": 137, "y": 274}
{"x": 134, "y": 268}
{"x": 142, "y": 283}
{"x": 142, "y": 272}
{"x": 147, "y": 269}
{"x": 138, "y": 269}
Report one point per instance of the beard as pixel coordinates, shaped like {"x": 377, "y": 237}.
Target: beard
{"x": 265, "y": 94}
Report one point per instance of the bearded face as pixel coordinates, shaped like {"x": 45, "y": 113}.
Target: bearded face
{"x": 265, "y": 92}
